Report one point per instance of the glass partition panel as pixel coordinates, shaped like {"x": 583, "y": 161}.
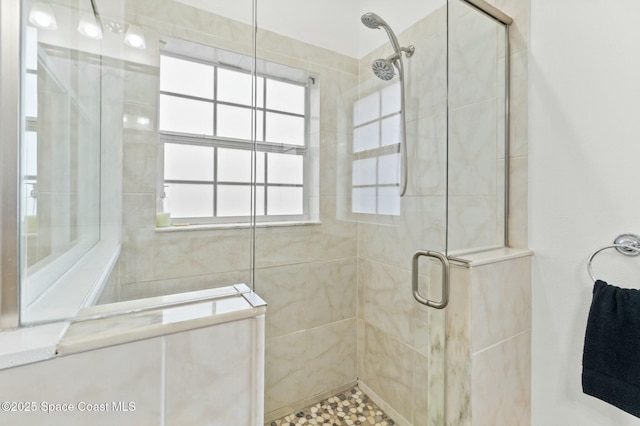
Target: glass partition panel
{"x": 127, "y": 187}
{"x": 61, "y": 157}
{"x": 478, "y": 117}
{"x": 187, "y": 177}
{"x": 340, "y": 286}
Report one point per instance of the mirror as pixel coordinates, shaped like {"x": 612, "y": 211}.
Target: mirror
{"x": 61, "y": 153}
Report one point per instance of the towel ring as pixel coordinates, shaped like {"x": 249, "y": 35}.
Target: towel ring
{"x": 627, "y": 244}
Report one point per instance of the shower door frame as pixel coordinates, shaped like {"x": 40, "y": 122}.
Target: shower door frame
{"x": 491, "y": 11}
{"x": 10, "y": 123}
{"x": 502, "y": 18}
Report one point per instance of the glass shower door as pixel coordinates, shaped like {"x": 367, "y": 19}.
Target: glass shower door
{"x": 337, "y": 277}
{"x": 401, "y": 352}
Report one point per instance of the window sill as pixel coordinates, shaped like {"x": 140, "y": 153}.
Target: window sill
{"x": 223, "y": 226}
{"x": 79, "y": 287}
{"x": 30, "y": 344}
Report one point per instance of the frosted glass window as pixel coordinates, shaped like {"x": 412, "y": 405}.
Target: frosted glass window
{"x": 234, "y": 200}
{"x": 390, "y": 130}
{"x": 284, "y": 201}
{"x": 260, "y": 201}
{"x": 30, "y": 166}
{"x": 234, "y": 122}
{"x": 260, "y": 162}
{"x": 210, "y": 158}
{"x": 287, "y": 97}
{"x": 285, "y": 129}
{"x": 260, "y": 92}
{"x": 390, "y": 99}
{"x": 259, "y": 125}
{"x": 285, "y": 168}
{"x": 389, "y": 201}
{"x": 188, "y": 162}
{"x": 234, "y": 86}
{"x": 31, "y": 95}
{"x": 186, "y": 115}
{"x": 364, "y": 200}
{"x": 186, "y": 77}
{"x": 234, "y": 165}
{"x": 364, "y": 171}
{"x": 366, "y": 109}
{"x": 388, "y": 166}
{"x": 31, "y": 49}
{"x": 30, "y": 205}
{"x": 190, "y": 200}
{"x": 366, "y": 137}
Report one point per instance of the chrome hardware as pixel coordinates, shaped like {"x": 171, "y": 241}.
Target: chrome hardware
{"x": 630, "y": 242}
{"x": 445, "y": 279}
{"x": 627, "y": 244}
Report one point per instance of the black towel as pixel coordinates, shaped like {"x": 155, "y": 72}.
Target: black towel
{"x": 611, "y": 358}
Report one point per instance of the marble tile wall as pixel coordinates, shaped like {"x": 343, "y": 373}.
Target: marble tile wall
{"x": 95, "y": 377}
{"x": 177, "y": 378}
{"x": 311, "y": 331}
{"x": 202, "y": 382}
{"x": 488, "y": 344}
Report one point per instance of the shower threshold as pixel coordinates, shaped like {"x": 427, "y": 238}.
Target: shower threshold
{"x": 351, "y": 407}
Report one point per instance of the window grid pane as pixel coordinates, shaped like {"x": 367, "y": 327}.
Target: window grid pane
{"x": 233, "y": 122}
{"x": 184, "y": 115}
{"x": 188, "y": 162}
{"x": 172, "y": 78}
{"x": 190, "y": 200}
{"x": 286, "y": 97}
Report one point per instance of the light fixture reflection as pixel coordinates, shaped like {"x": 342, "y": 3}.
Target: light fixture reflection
{"x": 41, "y": 15}
{"x": 134, "y": 37}
{"x": 89, "y": 27}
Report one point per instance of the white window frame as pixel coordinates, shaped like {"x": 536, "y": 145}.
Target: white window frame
{"x": 217, "y": 142}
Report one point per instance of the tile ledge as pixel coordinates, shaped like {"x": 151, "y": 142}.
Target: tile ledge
{"x": 187, "y": 227}
{"x": 103, "y": 326}
{"x": 126, "y": 323}
{"x": 30, "y": 344}
{"x": 470, "y": 260}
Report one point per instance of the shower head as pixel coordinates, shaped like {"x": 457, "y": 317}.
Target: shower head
{"x": 373, "y": 21}
{"x": 383, "y": 68}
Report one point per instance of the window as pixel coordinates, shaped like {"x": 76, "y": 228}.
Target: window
{"x": 205, "y": 124}
{"x": 376, "y": 141}
{"x": 30, "y": 142}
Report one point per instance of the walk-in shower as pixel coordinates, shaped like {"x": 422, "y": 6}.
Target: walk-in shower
{"x": 228, "y": 99}
{"x": 384, "y": 70}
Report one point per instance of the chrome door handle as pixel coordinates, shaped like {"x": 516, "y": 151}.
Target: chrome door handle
{"x": 445, "y": 279}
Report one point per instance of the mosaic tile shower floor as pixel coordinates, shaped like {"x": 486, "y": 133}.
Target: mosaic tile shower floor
{"x": 352, "y": 407}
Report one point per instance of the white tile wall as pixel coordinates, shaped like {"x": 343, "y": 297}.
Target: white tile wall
{"x": 205, "y": 376}
{"x": 488, "y": 344}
